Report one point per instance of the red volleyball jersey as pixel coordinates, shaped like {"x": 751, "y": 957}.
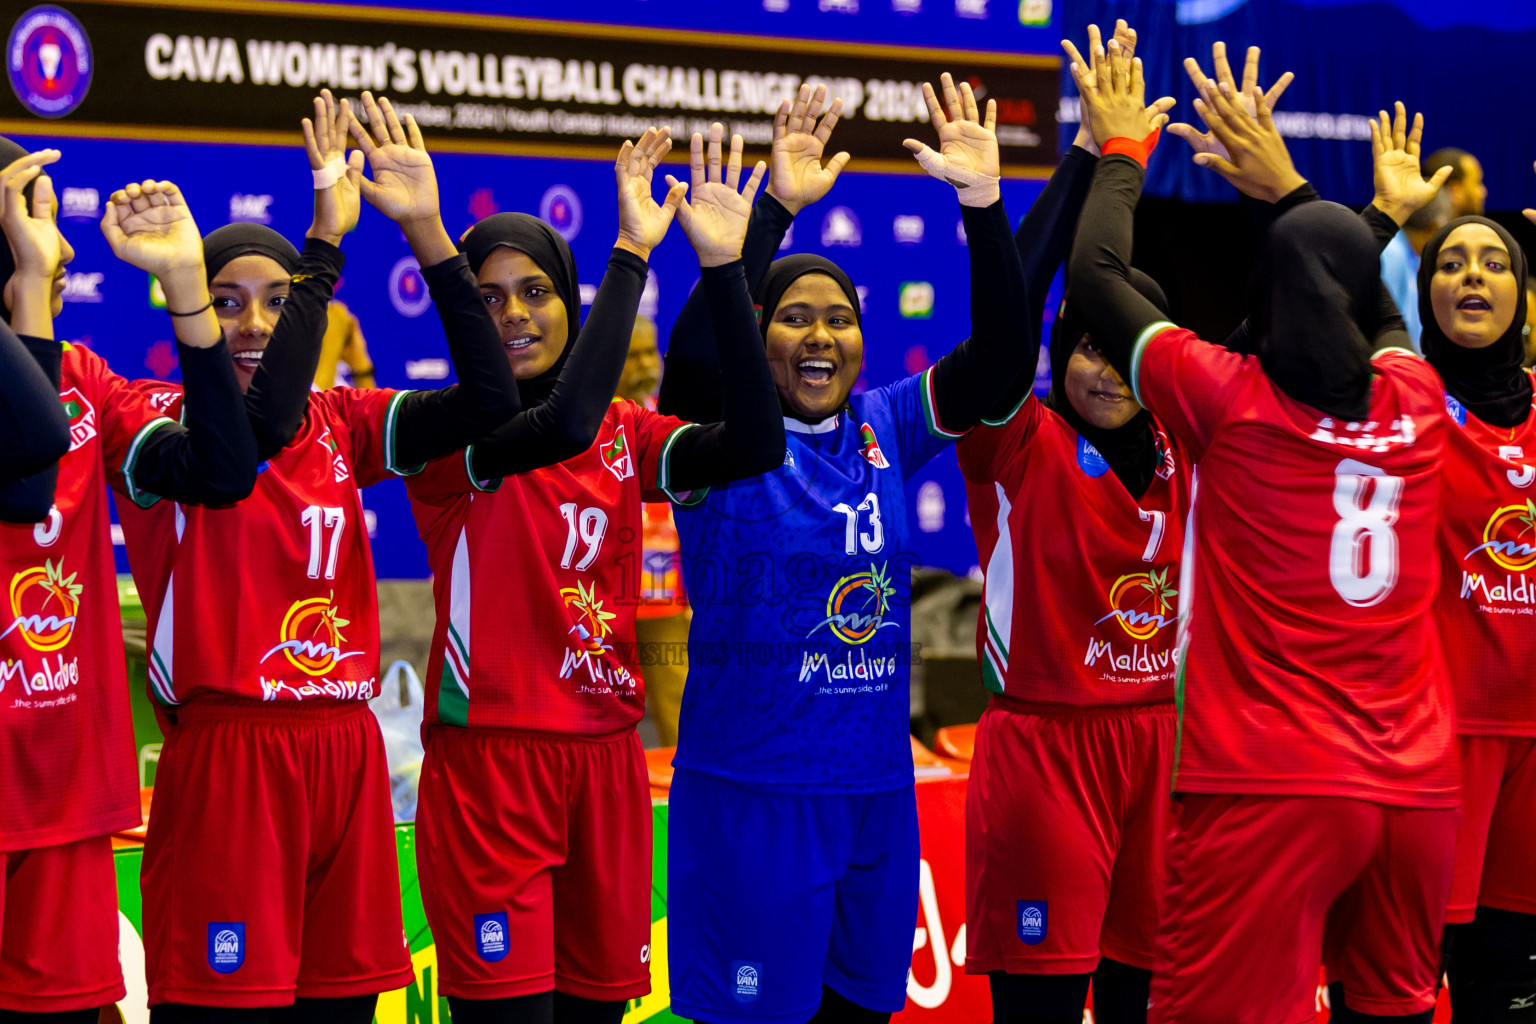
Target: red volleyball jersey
{"x": 272, "y": 599}
{"x": 1081, "y": 596}
{"x": 1487, "y": 606}
{"x": 66, "y": 735}
{"x": 536, "y": 579}
{"x": 1312, "y": 663}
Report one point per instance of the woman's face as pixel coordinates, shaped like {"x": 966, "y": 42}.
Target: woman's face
{"x": 248, "y": 295}
{"x": 521, "y": 299}
{"x": 815, "y": 347}
{"x": 1096, "y": 390}
{"x": 1473, "y": 291}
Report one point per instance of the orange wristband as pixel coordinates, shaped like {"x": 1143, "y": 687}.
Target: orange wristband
{"x": 1140, "y": 151}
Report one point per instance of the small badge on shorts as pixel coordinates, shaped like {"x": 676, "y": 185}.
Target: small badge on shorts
{"x": 1032, "y": 921}
{"x": 491, "y": 936}
{"x": 746, "y": 980}
{"x": 226, "y": 945}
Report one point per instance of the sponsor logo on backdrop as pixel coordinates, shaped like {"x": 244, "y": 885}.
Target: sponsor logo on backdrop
{"x": 82, "y": 417}
{"x": 588, "y": 293}
{"x": 916, "y": 300}
{"x": 907, "y": 6}
{"x": 160, "y": 359}
{"x": 746, "y": 980}
{"x": 426, "y": 369}
{"x": 650, "y": 298}
{"x": 908, "y": 229}
{"x": 1034, "y": 12}
{"x": 561, "y": 209}
{"x": 80, "y": 204}
{"x": 971, "y": 9}
{"x": 863, "y": 293}
{"x": 226, "y": 945}
{"x": 83, "y": 286}
{"x": 789, "y": 238}
{"x": 838, "y": 6}
{"x": 930, "y": 507}
{"x": 775, "y": 6}
{"x": 48, "y": 57}
{"x": 250, "y": 208}
{"x": 482, "y": 204}
{"x": 841, "y": 227}
{"x": 408, "y": 289}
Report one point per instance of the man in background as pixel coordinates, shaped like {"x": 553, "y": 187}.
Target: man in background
{"x": 1400, "y": 259}
{"x": 343, "y": 346}
{"x": 661, "y": 621}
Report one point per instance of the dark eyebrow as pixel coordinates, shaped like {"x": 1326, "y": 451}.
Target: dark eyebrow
{"x": 279, "y": 283}
{"x": 836, "y": 307}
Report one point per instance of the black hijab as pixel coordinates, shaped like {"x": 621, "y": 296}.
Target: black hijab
{"x": 786, "y": 271}
{"x": 230, "y": 242}
{"x": 1313, "y": 297}
{"x": 1490, "y": 382}
{"x": 543, "y": 245}
{"x": 1131, "y": 448}
{"x": 10, "y": 152}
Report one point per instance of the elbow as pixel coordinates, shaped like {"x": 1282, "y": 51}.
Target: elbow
{"x": 763, "y": 450}
{"x": 491, "y": 409}
{"x": 568, "y": 440}
{"x": 231, "y": 485}
{"x": 33, "y": 508}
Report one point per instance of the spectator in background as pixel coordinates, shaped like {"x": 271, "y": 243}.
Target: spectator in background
{"x": 1400, "y": 259}
{"x": 343, "y": 344}
{"x": 1465, "y": 185}
{"x": 661, "y": 621}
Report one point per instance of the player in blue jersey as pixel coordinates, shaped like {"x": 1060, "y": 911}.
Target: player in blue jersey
{"x": 793, "y": 860}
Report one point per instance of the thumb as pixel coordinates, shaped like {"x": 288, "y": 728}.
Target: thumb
{"x": 1439, "y": 177}
{"x": 1530, "y": 215}
{"x": 1222, "y": 167}
{"x": 369, "y": 189}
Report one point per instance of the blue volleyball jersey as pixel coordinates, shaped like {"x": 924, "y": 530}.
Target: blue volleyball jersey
{"x": 801, "y": 587}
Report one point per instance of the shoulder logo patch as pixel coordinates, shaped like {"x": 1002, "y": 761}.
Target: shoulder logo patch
{"x": 615, "y": 455}
{"x": 82, "y": 417}
{"x": 869, "y": 447}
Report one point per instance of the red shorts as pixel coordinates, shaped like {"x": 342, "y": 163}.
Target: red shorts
{"x": 269, "y": 868}
{"x": 534, "y": 854}
{"x": 1495, "y": 854}
{"x": 1066, "y": 812}
{"x": 1262, "y": 888}
{"x": 58, "y": 928}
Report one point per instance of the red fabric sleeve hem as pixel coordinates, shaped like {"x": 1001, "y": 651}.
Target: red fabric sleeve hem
{"x": 1138, "y": 150}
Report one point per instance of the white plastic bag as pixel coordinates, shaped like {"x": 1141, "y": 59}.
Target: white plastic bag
{"x": 400, "y": 721}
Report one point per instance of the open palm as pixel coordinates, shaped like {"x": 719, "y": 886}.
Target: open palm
{"x": 715, "y": 215}
{"x": 1400, "y": 185}
{"x": 29, "y": 228}
{"x": 404, "y": 184}
{"x": 798, "y": 176}
{"x": 1242, "y": 93}
{"x": 643, "y": 222}
{"x": 965, "y": 140}
{"x": 149, "y": 226}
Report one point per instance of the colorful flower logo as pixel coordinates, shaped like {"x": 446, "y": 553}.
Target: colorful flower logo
{"x": 1141, "y": 603}
{"x": 1508, "y": 535}
{"x": 44, "y": 604}
{"x": 857, "y": 606}
{"x": 591, "y": 626}
{"x": 311, "y": 636}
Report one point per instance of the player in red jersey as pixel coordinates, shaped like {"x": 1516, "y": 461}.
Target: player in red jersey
{"x": 66, "y": 736}
{"x": 1083, "y": 493}
{"x": 1316, "y": 763}
{"x": 536, "y": 878}
{"x": 271, "y": 850}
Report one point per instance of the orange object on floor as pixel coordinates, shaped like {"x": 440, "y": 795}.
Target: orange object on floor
{"x": 957, "y": 742}
{"x": 658, "y": 767}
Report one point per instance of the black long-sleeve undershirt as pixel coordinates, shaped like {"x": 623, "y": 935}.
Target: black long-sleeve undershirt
{"x": 691, "y": 388}
{"x": 565, "y": 425}
{"x": 210, "y": 457}
{"x": 34, "y": 429}
{"x": 1100, "y": 265}
{"x": 749, "y": 440}
{"x": 431, "y": 423}
{"x": 1043, "y": 238}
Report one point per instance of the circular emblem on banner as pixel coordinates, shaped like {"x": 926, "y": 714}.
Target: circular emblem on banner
{"x": 49, "y": 59}
{"x": 408, "y": 289}
{"x": 561, "y": 209}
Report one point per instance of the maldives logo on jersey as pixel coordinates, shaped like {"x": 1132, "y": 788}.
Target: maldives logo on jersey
{"x": 1507, "y": 537}
{"x": 615, "y": 455}
{"x": 311, "y": 636}
{"x": 48, "y": 57}
{"x": 857, "y": 606}
{"x": 1140, "y": 603}
{"x": 869, "y": 447}
{"x": 44, "y": 604}
{"x": 82, "y": 417}
{"x": 591, "y": 628}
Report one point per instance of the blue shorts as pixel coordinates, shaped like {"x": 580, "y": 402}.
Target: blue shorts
{"x": 772, "y": 895}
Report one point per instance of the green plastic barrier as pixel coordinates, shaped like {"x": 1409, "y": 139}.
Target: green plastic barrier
{"x": 420, "y": 1003}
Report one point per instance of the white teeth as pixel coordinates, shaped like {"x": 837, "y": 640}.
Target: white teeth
{"x": 517, "y": 343}
{"x": 817, "y": 364}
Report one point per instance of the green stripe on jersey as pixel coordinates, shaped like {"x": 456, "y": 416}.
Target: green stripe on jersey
{"x": 391, "y": 437}
{"x": 1147, "y": 334}
{"x": 139, "y": 497}
{"x": 930, "y": 408}
{"x": 664, "y": 471}
{"x": 452, "y": 704}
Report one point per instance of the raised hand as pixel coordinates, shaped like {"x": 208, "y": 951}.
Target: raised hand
{"x": 32, "y": 232}
{"x": 798, "y": 178}
{"x": 1257, "y": 161}
{"x": 1400, "y": 186}
{"x": 149, "y": 226}
{"x": 715, "y": 216}
{"x": 1530, "y": 215}
{"x": 1113, "y": 96}
{"x": 404, "y": 186}
{"x": 1207, "y": 142}
{"x": 643, "y": 222}
{"x": 1126, "y": 37}
{"x": 325, "y": 142}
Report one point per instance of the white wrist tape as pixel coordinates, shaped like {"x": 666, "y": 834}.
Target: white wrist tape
{"x": 330, "y": 174}
{"x": 973, "y": 187}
